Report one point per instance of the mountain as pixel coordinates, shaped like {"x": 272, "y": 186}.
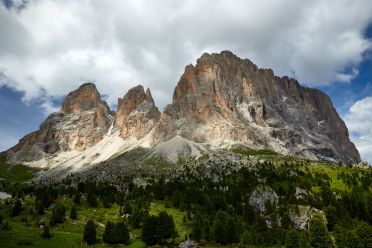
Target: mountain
{"x": 221, "y": 102}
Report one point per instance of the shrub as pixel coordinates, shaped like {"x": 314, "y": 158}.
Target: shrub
{"x": 89, "y": 235}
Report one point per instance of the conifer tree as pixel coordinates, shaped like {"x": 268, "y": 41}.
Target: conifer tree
{"x": 318, "y": 233}
{"x": 90, "y": 232}
{"x": 73, "y": 213}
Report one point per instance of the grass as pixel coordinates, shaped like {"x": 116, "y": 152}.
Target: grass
{"x": 332, "y": 172}
{"x": 16, "y": 173}
{"x": 252, "y": 152}
{"x": 67, "y": 234}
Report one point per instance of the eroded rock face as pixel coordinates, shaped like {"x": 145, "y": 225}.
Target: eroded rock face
{"x": 137, "y": 113}
{"x": 222, "y": 100}
{"x": 82, "y": 122}
{"x": 262, "y": 195}
{"x": 226, "y": 99}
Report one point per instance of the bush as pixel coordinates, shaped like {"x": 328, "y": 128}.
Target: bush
{"x": 116, "y": 233}
{"x": 158, "y": 229}
{"x": 58, "y": 215}
{"x": 46, "y": 232}
{"x": 17, "y": 208}
{"x": 73, "y": 213}
{"x": 92, "y": 200}
{"x": 89, "y": 235}
{"x": 292, "y": 239}
{"x": 318, "y": 233}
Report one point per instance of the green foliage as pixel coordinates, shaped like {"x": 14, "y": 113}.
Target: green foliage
{"x": 292, "y": 239}
{"x": 158, "y": 229}
{"x": 77, "y": 198}
{"x": 17, "y": 208}
{"x": 364, "y": 231}
{"x": 58, "y": 215}
{"x": 92, "y": 200}
{"x": 137, "y": 217}
{"x": 46, "y": 232}
{"x": 116, "y": 233}
{"x": 89, "y": 235}
{"x": 73, "y": 213}
{"x": 318, "y": 233}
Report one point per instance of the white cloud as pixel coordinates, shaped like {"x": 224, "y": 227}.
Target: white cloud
{"x": 359, "y": 122}
{"x": 50, "y": 47}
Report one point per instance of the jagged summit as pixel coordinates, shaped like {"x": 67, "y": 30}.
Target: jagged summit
{"x": 221, "y": 101}
{"x": 137, "y": 113}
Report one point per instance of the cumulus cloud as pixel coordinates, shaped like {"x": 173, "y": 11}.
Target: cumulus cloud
{"x": 359, "y": 122}
{"x": 48, "y": 48}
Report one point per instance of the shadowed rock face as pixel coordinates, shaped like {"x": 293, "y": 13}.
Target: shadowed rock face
{"x": 221, "y": 100}
{"x": 82, "y": 122}
{"x": 229, "y": 99}
{"x": 137, "y": 113}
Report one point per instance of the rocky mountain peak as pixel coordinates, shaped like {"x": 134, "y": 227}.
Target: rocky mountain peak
{"x": 85, "y": 97}
{"x": 227, "y": 99}
{"x": 221, "y": 101}
{"x": 137, "y": 113}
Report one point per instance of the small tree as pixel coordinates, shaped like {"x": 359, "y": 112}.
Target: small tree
{"x": 90, "y": 232}
{"x": 166, "y": 227}
{"x": 58, "y": 215}
{"x": 122, "y": 234}
{"x": 232, "y": 234}
{"x": 109, "y": 233}
{"x": 364, "y": 231}
{"x": 318, "y": 233}
{"x": 77, "y": 198}
{"x": 92, "y": 200}
{"x": 149, "y": 230}
{"x": 17, "y": 208}
{"x": 46, "y": 232}
{"x": 73, "y": 213}
{"x": 136, "y": 218}
{"x": 292, "y": 239}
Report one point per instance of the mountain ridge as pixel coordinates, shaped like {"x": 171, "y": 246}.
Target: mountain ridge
{"x": 221, "y": 101}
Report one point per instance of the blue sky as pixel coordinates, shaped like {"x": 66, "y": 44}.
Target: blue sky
{"x": 48, "y": 48}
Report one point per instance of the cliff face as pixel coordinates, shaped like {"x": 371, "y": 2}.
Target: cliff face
{"x": 222, "y": 100}
{"x": 137, "y": 113}
{"x": 82, "y": 122}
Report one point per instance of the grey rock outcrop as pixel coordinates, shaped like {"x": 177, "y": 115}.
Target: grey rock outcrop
{"x": 230, "y": 100}
{"x": 82, "y": 122}
{"x": 137, "y": 113}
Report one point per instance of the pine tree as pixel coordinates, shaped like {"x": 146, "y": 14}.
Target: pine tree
{"x": 17, "y": 208}
{"x": 364, "y": 231}
{"x": 77, "y": 198}
{"x": 108, "y": 235}
{"x": 46, "y": 232}
{"x": 318, "y": 233}
{"x": 90, "y": 232}
{"x": 122, "y": 234}
{"x": 149, "y": 231}
{"x": 73, "y": 213}
{"x": 136, "y": 218}
{"x": 219, "y": 233}
{"x": 166, "y": 227}
{"x": 292, "y": 239}
{"x": 92, "y": 200}
{"x": 196, "y": 228}
{"x": 232, "y": 234}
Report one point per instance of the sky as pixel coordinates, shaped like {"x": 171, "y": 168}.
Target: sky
{"x": 49, "y": 47}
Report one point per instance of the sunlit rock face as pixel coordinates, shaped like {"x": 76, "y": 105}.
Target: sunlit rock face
{"x": 137, "y": 113}
{"x": 221, "y": 100}
{"x": 82, "y": 122}
{"x": 227, "y": 99}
